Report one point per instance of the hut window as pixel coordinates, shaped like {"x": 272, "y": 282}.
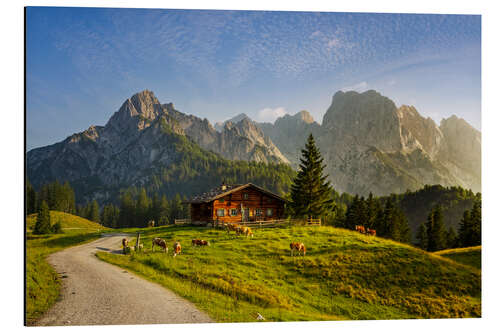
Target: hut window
{"x": 258, "y": 212}
{"x": 220, "y": 212}
{"x": 245, "y": 196}
{"x": 269, "y": 212}
{"x": 221, "y": 200}
{"x": 234, "y": 212}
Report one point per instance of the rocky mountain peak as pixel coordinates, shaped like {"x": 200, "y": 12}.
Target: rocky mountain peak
{"x": 304, "y": 116}
{"x": 136, "y": 112}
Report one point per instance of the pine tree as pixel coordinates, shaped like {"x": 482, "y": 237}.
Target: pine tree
{"x": 30, "y": 198}
{"x": 451, "y": 238}
{"x": 42, "y": 225}
{"x": 470, "y": 226}
{"x": 94, "y": 212}
{"x": 311, "y": 192}
{"x": 436, "y": 233}
{"x": 422, "y": 237}
{"x": 164, "y": 211}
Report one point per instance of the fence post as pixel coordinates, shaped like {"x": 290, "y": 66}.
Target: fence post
{"x": 137, "y": 249}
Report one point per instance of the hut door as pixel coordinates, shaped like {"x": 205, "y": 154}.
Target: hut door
{"x": 246, "y": 212}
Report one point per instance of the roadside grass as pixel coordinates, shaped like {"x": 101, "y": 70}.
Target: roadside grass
{"x": 345, "y": 275}
{"x": 42, "y": 282}
{"x": 470, "y": 256}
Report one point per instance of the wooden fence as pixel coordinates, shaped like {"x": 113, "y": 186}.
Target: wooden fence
{"x": 260, "y": 224}
{"x": 182, "y": 221}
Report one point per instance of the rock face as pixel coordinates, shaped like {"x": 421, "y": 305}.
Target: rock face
{"x": 371, "y": 145}
{"x": 242, "y": 140}
{"x": 140, "y": 135}
{"x": 236, "y": 119}
{"x": 289, "y": 134}
{"x": 368, "y": 145}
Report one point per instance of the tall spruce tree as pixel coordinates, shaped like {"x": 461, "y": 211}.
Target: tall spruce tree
{"x": 469, "y": 233}
{"x": 311, "y": 193}
{"x": 30, "y": 198}
{"x": 94, "y": 214}
{"x": 436, "y": 233}
{"x": 422, "y": 237}
{"x": 42, "y": 224}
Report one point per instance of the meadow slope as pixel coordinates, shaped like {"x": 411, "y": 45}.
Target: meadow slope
{"x": 345, "y": 275}
{"x": 42, "y": 281}
{"x": 467, "y": 255}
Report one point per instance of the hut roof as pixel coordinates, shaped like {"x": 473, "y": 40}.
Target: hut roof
{"x": 218, "y": 192}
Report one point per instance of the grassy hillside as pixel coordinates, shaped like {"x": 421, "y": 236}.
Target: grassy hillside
{"x": 468, "y": 255}
{"x": 42, "y": 282}
{"x": 345, "y": 275}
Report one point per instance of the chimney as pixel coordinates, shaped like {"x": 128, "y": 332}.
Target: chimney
{"x": 223, "y": 186}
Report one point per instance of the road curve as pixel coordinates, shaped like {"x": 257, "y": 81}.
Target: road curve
{"x": 97, "y": 293}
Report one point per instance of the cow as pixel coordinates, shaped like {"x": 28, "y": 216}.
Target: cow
{"x": 200, "y": 242}
{"x": 125, "y": 245}
{"x": 361, "y": 229}
{"x": 177, "y": 248}
{"x": 248, "y": 232}
{"x": 151, "y": 224}
{"x": 300, "y": 247}
{"x": 232, "y": 227}
{"x": 161, "y": 243}
{"x": 371, "y": 232}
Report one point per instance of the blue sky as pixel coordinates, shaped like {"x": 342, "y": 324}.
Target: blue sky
{"x": 82, "y": 63}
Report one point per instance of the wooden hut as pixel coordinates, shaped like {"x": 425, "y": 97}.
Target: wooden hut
{"x": 235, "y": 204}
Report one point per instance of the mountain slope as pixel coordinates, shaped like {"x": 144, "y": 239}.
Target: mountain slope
{"x": 147, "y": 144}
{"x": 289, "y": 134}
{"x": 370, "y": 145}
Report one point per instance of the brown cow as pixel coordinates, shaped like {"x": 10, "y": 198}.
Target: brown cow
{"x": 161, "y": 243}
{"x": 371, "y": 232}
{"x": 232, "y": 227}
{"x": 177, "y": 248}
{"x": 248, "y": 232}
{"x": 200, "y": 242}
{"x": 361, "y": 229}
{"x": 299, "y": 247}
{"x": 151, "y": 224}
{"x": 125, "y": 245}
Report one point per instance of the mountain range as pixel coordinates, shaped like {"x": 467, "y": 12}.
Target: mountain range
{"x": 368, "y": 145}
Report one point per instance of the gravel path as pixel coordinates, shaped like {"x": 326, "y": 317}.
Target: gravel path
{"x": 98, "y": 293}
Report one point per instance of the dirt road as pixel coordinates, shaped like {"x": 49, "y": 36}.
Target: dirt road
{"x": 98, "y": 293}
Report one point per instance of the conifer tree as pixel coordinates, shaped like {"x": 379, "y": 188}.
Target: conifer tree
{"x": 422, "y": 237}
{"x": 470, "y": 226}
{"x": 311, "y": 193}
{"x": 451, "y": 238}
{"x": 436, "y": 233}
{"x": 42, "y": 225}
{"x": 30, "y": 198}
{"x": 94, "y": 214}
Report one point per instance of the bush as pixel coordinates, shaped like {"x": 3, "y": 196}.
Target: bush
{"x": 57, "y": 228}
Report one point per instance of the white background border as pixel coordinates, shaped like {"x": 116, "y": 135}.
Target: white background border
{"x": 12, "y": 139}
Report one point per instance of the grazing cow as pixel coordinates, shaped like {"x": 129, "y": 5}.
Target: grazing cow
{"x": 248, "y": 232}
{"x": 161, "y": 243}
{"x": 361, "y": 229}
{"x": 300, "y": 247}
{"x": 371, "y": 232}
{"x": 232, "y": 227}
{"x": 125, "y": 245}
{"x": 200, "y": 242}
{"x": 177, "y": 248}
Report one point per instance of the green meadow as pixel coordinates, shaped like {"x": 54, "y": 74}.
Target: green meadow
{"x": 468, "y": 255}
{"x": 42, "y": 281}
{"x": 345, "y": 275}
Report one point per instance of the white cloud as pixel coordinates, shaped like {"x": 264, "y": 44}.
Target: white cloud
{"x": 270, "y": 114}
{"x": 333, "y": 43}
{"x": 359, "y": 87}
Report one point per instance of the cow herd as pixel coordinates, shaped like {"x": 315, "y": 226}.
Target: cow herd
{"x": 238, "y": 229}
{"x": 367, "y": 231}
